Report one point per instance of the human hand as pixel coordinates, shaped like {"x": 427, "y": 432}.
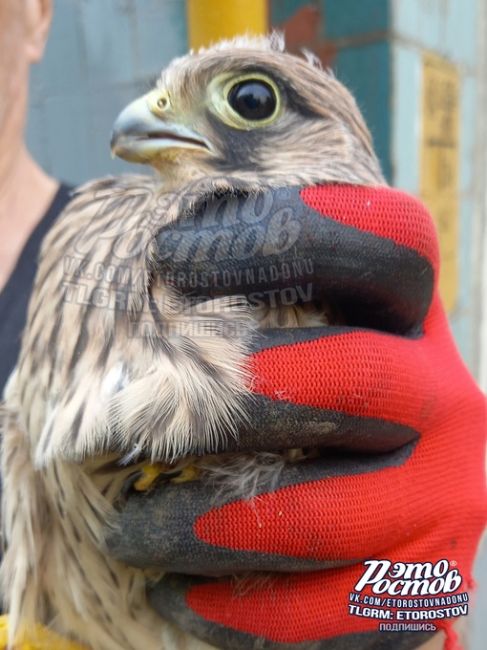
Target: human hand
{"x": 400, "y": 426}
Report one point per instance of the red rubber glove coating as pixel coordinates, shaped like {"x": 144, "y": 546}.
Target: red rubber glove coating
{"x": 432, "y": 507}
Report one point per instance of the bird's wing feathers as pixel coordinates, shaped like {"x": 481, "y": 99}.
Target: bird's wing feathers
{"x": 97, "y": 338}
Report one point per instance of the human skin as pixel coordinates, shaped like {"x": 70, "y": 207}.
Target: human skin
{"x": 24, "y": 26}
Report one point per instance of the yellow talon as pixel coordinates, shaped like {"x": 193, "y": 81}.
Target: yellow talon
{"x": 151, "y": 472}
{"x": 40, "y": 638}
{"x": 149, "y": 475}
{"x": 189, "y": 473}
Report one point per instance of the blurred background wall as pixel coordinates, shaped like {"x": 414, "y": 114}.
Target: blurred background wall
{"x": 100, "y": 55}
{"x": 418, "y": 69}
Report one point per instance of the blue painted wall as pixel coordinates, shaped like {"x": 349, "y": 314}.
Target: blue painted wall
{"x": 100, "y": 55}
{"x": 349, "y": 18}
{"x": 366, "y": 71}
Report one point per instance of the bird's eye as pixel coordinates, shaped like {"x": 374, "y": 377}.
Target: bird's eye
{"x": 248, "y": 101}
{"x": 253, "y": 99}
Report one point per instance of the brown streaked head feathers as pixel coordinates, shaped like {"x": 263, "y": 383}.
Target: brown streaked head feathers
{"x": 319, "y": 134}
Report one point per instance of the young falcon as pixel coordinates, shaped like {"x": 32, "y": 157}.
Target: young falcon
{"x": 244, "y": 115}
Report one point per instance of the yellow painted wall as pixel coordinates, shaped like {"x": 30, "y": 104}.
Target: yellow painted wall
{"x": 439, "y": 164}
{"x": 211, "y": 20}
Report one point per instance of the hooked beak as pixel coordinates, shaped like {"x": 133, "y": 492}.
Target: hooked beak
{"x": 139, "y": 135}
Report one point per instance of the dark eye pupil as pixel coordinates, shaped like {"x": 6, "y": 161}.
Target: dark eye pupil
{"x": 253, "y": 99}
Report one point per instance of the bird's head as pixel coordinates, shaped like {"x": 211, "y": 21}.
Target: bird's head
{"x": 248, "y": 111}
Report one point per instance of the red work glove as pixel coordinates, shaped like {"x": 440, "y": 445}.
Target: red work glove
{"x": 403, "y": 479}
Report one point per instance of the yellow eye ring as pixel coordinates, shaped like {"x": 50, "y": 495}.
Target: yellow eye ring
{"x": 221, "y": 90}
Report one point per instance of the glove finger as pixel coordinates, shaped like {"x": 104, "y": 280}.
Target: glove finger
{"x": 275, "y": 613}
{"x": 353, "y": 389}
{"x": 381, "y": 398}
{"x": 372, "y": 266}
{"x": 197, "y": 529}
